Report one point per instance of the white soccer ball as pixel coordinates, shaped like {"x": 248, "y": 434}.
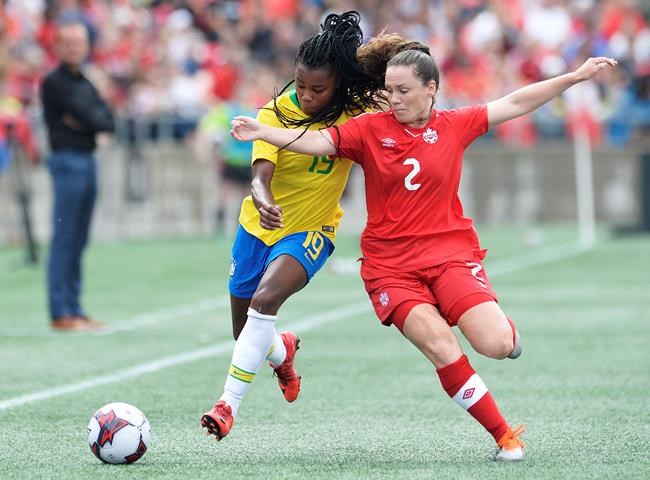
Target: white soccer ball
{"x": 119, "y": 433}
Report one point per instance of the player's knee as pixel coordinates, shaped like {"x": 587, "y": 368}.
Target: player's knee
{"x": 266, "y": 301}
{"x": 497, "y": 347}
{"x": 505, "y": 346}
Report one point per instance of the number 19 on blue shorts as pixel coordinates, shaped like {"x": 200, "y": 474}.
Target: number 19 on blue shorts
{"x": 250, "y": 257}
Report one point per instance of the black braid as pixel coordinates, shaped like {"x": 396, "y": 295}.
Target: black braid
{"x": 335, "y": 47}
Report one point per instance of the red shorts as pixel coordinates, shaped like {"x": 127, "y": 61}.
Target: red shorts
{"x": 453, "y": 288}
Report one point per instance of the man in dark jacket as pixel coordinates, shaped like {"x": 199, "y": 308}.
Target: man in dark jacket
{"x": 74, "y": 113}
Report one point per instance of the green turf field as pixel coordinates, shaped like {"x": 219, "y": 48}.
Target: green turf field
{"x": 371, "y": 407}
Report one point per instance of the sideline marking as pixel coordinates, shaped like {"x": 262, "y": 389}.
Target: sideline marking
{"x": 139, "y": 320}
{"x": 499, "y": 267}
{"x": 179, "y": 359}
{"x": 544, "y": 255}
{"x": 187, "y": 310}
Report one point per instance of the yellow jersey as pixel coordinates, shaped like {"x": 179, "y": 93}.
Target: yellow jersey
{"x": 307, "y": 188}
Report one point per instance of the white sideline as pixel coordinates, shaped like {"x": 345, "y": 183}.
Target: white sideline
{"x": 173, "y": 360}
{"x": 145, "y": 319}
{"x": 541, "y": 256}
{"x": 202, "y": 306}
{"x": 499, "y": 267}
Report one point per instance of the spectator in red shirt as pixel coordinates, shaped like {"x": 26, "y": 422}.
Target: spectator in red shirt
{"x": 15, "y": 126}
{"x": 421, "y": 256}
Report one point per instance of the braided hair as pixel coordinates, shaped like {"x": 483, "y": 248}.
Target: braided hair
{"x": 360, "y": 69}
{"x": 335, "y": 48}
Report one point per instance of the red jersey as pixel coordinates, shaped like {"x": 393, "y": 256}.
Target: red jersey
{"x": 412, "y": 175}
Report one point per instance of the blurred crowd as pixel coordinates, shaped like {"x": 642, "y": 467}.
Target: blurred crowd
{"x": 166, "y": 64}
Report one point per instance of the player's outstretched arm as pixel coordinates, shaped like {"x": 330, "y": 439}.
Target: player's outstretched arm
{"x": 530, "y": 97}
{"x": 311, "y": 142}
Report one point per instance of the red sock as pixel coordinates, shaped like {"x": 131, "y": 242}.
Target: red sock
{"x": 466, "y": 388}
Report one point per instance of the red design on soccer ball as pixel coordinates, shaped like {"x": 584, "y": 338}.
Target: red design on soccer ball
{"x": 109, "y": 425}
{"x": 142, "y": 448}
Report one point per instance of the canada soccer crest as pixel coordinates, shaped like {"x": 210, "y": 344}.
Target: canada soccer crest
{"x": 430, "y": 136}
{"x": 383, "y": 299}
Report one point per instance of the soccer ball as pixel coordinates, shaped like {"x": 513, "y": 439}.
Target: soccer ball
{"x": 119, "y": 433}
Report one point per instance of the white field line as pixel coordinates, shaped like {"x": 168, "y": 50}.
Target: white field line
{"x": 500, "y": 267}
{"x": 541, "y": 256}
{"x": 190, "y": 309}
{"x": 141, "y": 320}
{"x": 179, "y": 359}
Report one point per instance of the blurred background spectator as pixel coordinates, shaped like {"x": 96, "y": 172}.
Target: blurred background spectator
{"x": 232, "y": 159}
{"x": 168, "y": 67}
{"x": 168, "y": 62}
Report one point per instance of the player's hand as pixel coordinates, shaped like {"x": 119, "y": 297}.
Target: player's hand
{"x": 270, "y": 216}
{"x": 245, "y": 129}
{"x": 592, "y": 66}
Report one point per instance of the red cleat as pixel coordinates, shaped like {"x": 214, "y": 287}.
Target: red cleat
{"x": 219, "y": 420}
{"x": 288, "y": 378}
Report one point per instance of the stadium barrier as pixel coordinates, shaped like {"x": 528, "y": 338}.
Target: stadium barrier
{"x": 157, "y": 189}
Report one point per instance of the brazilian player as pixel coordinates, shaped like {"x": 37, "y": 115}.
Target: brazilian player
{"x": 288, "y": 225}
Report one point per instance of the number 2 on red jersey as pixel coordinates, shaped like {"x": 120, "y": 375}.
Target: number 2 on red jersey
{"x": 409, "y": 178}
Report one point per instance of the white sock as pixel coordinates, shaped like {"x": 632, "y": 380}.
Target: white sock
{"x": 251, "y": 348}
{"x": 278, "y": 352}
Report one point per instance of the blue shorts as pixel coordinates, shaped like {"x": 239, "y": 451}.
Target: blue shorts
{"x": 250, "y": 257}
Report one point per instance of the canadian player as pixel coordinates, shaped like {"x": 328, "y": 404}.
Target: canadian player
{"x": 422, "y": 260}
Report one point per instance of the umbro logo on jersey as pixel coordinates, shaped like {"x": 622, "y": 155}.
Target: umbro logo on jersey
{"x": 430, "y": 136}
{"x": 387, "y": 142}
